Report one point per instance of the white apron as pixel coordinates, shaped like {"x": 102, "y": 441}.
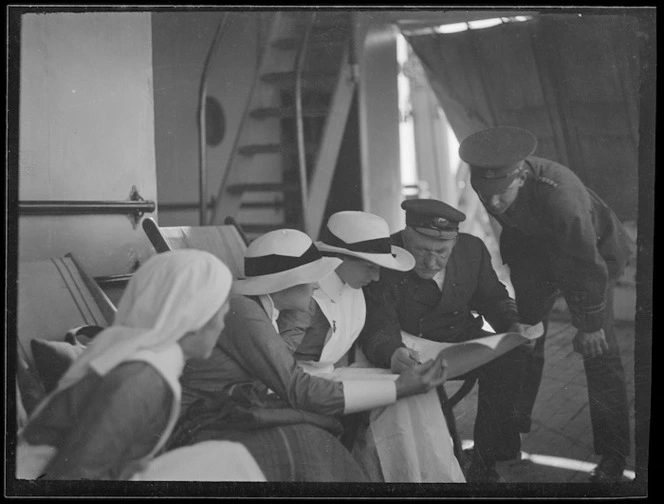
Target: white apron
{"x": 409, "y": 439}
{"x": 345, "y": 310}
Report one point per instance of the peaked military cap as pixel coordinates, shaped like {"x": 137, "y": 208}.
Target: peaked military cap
{"x": 494, "y": 156}
{"x": 433, "y": 218}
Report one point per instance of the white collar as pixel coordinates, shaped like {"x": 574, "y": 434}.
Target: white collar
{"x": 439, "y": 278}
{"x": 333, "y": 286}
{"x": 272, "y": 312}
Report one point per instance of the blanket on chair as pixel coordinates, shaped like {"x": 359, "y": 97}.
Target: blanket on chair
{"x": 288, "y": 444}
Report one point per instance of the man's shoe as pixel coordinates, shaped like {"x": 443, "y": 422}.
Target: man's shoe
{"x": 469, "y": 454}
{"x": 609, "y": 470}
{"x": 478, "y": 473}
{"x": 504, "y": 456}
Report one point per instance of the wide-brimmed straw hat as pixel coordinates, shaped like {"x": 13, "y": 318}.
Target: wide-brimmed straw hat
{"x": 281, "y": 259}
{"x": 366, "y": 236}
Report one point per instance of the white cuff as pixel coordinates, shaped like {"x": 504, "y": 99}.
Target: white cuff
{"x": 363, "y": 395}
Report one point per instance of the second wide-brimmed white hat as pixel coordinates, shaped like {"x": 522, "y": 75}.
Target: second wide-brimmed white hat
{"x": 281, "y": 259}
{"x": 366, "y": 236}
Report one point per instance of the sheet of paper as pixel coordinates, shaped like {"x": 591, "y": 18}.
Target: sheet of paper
{"x": 461, "y": 357}
{"x": 363, "y": 373}
{"x": 468, "y": 355}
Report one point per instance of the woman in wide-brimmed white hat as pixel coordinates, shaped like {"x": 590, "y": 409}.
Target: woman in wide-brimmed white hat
{"x": 419, "y": 447}
{"x": 360, "y": 241}
{"x": 252, "y": 390}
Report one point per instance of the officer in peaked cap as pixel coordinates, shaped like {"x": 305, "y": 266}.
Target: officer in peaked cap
{"x": 452, "y": 277}
{"x": 558, "y": 236}
{"x": 433, "y": 218}
{"x": 495, "y": 157}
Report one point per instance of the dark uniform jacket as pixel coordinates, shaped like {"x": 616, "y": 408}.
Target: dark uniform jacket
{"x": 404, "y": 301}
{"x": 572, "y": 232}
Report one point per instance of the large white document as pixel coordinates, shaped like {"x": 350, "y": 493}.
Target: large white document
{"x": 460, "y": 357}
{"x": 468, "y": 355}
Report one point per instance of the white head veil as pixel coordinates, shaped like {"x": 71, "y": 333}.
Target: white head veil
{"x": 172, "y": 294}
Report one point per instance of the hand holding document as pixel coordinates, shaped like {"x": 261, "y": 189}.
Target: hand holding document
{"x": 465, "y": 356}
{"x": 460, "y": 357}
{"x": 421, "y": 378}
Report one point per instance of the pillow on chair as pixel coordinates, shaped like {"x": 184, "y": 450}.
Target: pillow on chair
{"x": 53, "y": 358}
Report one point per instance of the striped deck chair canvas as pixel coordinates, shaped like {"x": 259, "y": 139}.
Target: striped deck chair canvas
{"x": 54, "y": 296}
{"x": 225, "y": 242}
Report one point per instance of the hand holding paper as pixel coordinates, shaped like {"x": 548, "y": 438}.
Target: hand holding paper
{"x": 404, "y": 358}
{"x": 523, "y": 329}
{"x": 468, "y": 355}
{"x": 422, "y": 377}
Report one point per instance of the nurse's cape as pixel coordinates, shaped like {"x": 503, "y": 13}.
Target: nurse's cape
{"x": 168, "y": 296}
{"x": 209, "y": 461}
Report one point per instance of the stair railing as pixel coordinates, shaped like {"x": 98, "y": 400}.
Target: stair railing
{"x": 332, "y": 138}
{"x": 245, "y": 114}
{"x": 202, "y": 131}
{"x": 299, "y": 121}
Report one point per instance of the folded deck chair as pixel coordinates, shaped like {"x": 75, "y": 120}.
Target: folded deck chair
{"x": 54, "y": 296}
{"x": 226, "y": 242}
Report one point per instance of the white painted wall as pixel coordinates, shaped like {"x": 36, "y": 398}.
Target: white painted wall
{"x": 86, "y": 128}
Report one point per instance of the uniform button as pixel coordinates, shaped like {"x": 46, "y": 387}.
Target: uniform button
{"x": 455, "y": 312}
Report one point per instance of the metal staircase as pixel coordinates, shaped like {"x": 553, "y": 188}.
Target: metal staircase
{"x": 282, "y": 163}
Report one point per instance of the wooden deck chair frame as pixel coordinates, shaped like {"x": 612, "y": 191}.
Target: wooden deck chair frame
{"x": 447, "y": 404}
{"x": 229, "y": 247}
{"x": 87, "y": 305}
{"x": 152, "y": 231}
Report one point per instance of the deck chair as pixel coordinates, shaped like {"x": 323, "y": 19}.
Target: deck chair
{"x": 54, "y": 296}
{"x": 227, "y": 242}
{"x": 448, "y": 404}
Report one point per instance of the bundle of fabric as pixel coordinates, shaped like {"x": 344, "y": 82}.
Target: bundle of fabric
{"x": 289, "y": 444}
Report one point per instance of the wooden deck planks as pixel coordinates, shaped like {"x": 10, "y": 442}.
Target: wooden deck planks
{"x": 561, "y": 418}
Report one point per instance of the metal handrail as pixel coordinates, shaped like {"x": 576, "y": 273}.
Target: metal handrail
{"x": 201, "y": 121}
{"x": 135, "y": 207}
{"x": 245, "y": 114}
{"x": 65, "y": 207}
{"x": 299, "y": 121}
{"x": 175, "y": 206}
